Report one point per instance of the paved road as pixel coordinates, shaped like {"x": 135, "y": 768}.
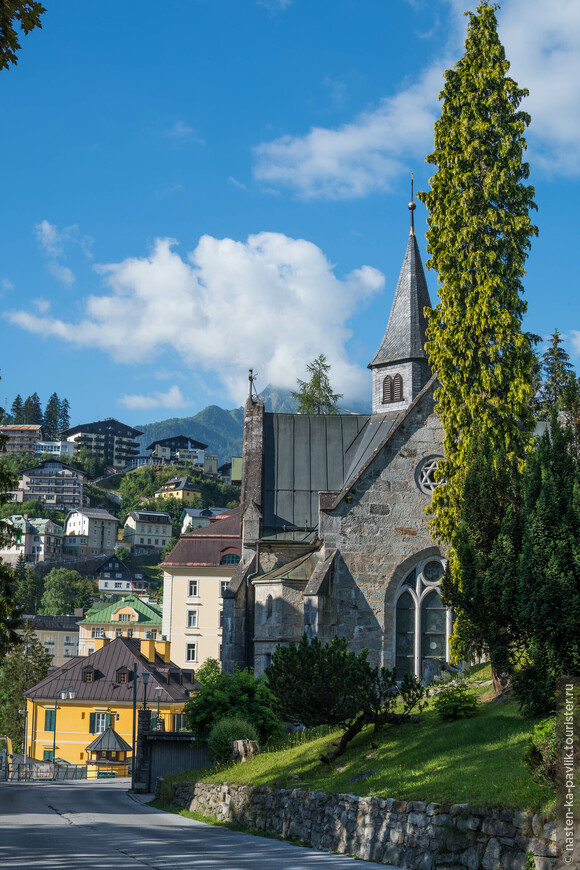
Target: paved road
{"x": 98, "y": 826}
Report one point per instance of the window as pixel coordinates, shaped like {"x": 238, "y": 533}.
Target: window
{"x": 425, "y": 474}
{"x": 397, "y": 388}
{"x": 387, "y": 390}
{"x": 98, "y": 722}
{"x": 421, "y": 621}
{"x": 179, "y": 723}
{"x": 192, "y": 618}
{"x": 97, "y": 632}
{"x": 47, "y": 755}
{"x": 118, "y": 575}
{"x": 223, "y": 586}
{"x": 118, "y": 585}
{"x": 129, "y": 632}
{"x": 122, "y": 676}
{"x": 88, "y": 675}
{"x": 49, "y": 720}
{"x": 221, "y": 619}
{"x": 230, "y": 559}
{"x": 118, "y": 632}
{"x": 194, "y": 589}
{"x": 269, "y": 608}
{"x": 124, "y": 617}
{"x": 191, "y": 652}
{"x": 106, "y": 573}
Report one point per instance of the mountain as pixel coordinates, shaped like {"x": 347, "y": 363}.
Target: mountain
{"x": 223, "y": 430}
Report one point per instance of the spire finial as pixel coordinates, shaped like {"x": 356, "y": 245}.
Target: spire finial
{"x": 412, "y": 207}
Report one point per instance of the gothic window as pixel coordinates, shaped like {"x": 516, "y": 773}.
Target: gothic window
{"x": 422, "y": 624}
{"x": 269, "y": 608}
{"x": 425, "y": 474}
{"x": 387, "y": 390}
{"x": 397, "y": 388}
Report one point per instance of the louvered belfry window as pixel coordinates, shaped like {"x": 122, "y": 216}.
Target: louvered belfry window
{"x": 387, "y": 390}
{"x": 397, "y": 388}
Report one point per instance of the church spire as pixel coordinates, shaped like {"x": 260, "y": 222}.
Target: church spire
{"x": 400, "y": 367}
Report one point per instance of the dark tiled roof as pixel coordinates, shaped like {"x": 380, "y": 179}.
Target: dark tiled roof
{"x": 54, "y": 623}
{"x": 110, "y": 426}
{"x": 178, "y": 442}
{"x": 404, "y": 338}
{"x": 303, "y": 455}
{"x": 150, "y": 517}
{"x": 109, "y": 741}
{"x": 94, "y": 514}
{"x": 205, "y": 546}
{"x": 104, "y": 688}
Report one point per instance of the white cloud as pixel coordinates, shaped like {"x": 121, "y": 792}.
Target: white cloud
{"x": 7, "y": 284}
{"x": 272, "y": 303}
{"x": 542, "y": 42}
{"x": 236, "y": 183}
{"x": 42, "y": 305}
{"x": 173, "y": 398}
{"x": 61, "y": 273}
{"x": 53, "y": 242}
{"x": 182, "y": 132}
{"x": 574, "y": 336}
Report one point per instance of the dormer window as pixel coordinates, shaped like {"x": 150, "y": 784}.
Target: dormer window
{"x": 88, "y": 675}
{"x": 122, "y": 675}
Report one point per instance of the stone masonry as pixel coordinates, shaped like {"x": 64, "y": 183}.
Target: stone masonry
{"x": 410, "y": 834}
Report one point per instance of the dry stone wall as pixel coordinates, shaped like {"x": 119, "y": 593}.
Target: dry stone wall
{"x": 410, "y": 834}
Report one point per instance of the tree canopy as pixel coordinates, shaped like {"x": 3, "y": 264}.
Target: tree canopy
{"x": 316, "y": 395}
{"x": 64, "y": 591}
{"x": 16, "y": 15}
{"x": 25, "y": 665}
{"x": 479, "y": 233}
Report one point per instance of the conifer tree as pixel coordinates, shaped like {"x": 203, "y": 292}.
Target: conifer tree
{"x": 556, "y": 370}
{"x": 50, "y": 420}
{"x": 63, "y": 417}
{"x": 24, "y": 666}
{"x": 17, "y": 410}
{"x": 479, "y": 232}
{"x": 316, "y": 395}
{"x": 32, "y": 411}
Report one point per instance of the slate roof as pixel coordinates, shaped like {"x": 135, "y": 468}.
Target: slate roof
{"x": 102, "y": 427}
{"x": 150, "y": 517}
{"x": 93, "y": 514}
{"x": 120, "y": 653}
{"x": 109, "y": 741}
{"x": 205, "y": 546}
{"x": 404, "y": 338}
{"x": 177, "y": 483}
{"x": 178, "y": 442}
{"x": 148, "y": 613}
{"x": 53, "y": 623}
{"x": 303, "y": 455}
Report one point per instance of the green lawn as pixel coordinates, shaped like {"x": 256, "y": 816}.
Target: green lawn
{"x": 476, "y": 761}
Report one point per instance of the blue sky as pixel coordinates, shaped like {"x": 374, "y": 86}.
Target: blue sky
{"x": 195, "y": 187}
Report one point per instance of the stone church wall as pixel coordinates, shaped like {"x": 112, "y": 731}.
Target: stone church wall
{"x": 379, "y": 526}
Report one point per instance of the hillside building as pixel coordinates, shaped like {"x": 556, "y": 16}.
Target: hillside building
{"x": 54, "y": 483}
{"x": 114, "y": 441}
{"x": 94, "y": 531}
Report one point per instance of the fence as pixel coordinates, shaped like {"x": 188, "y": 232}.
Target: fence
{"x": 48, "y": 772}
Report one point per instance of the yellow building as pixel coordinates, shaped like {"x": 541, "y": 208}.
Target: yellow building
{"x": 195, "y": 575}
{"x": 181, "y": 488}
{"x": 130, "y": 617}
{"x": 80, "y": 700}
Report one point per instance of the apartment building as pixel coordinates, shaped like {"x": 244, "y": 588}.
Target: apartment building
{"x": 96, "y": 526}
{"x": 21, "y": 438}
{"x": 37, "y": 539}
{"x": 109, "y": 438}
{"x": 131, "y": 617}
{"x": 147, "y": 531}
{"x": 55, "y": 484}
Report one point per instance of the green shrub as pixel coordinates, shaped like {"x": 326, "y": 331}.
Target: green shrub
{"x": 456, "y": 702}
{"x": 541, "y": 752}
{"x": 225, "y": 731}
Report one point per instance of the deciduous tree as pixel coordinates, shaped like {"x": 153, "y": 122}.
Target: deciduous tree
{"x": 16, "y": 15}
{"x": 23, "y": 667}
{"x": 64, "y": 591}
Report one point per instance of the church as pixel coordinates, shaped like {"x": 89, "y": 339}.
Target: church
{"x": 335, "y": 537}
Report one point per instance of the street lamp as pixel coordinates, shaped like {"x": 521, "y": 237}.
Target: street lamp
{"x": 69, "y": 693}
{"x": 145, "y": 677}
{"x": 25, "y": 714}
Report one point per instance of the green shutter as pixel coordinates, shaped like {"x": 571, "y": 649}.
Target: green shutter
{"x": 92, "y": 723}
{"x": 49, "y": 718}
{"x": 107, "y": 720}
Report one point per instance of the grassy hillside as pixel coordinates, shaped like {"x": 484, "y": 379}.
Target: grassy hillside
{"x": 476, "y": 761}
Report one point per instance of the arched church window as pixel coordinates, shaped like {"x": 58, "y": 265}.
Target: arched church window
{"x": 387, "y": 390}
{"x": 269, "y": 607}
{"x": 397, "y": 388}
{"x": 405, "y": 637}
{"x": 422, "y": 622}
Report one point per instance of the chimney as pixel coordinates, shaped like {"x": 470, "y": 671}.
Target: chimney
{"x": 148, "y": 650}
{"x": 101, "y": 642}
{"x": 162, "y": 646}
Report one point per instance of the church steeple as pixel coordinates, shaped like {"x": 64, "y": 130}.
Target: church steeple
{"x": 400, "y": 367}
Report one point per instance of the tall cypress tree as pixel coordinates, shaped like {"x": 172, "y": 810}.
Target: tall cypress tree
{"x": 479, "y": 232}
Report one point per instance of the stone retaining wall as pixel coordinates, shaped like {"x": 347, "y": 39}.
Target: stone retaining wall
{"x": 412, "y": 834}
